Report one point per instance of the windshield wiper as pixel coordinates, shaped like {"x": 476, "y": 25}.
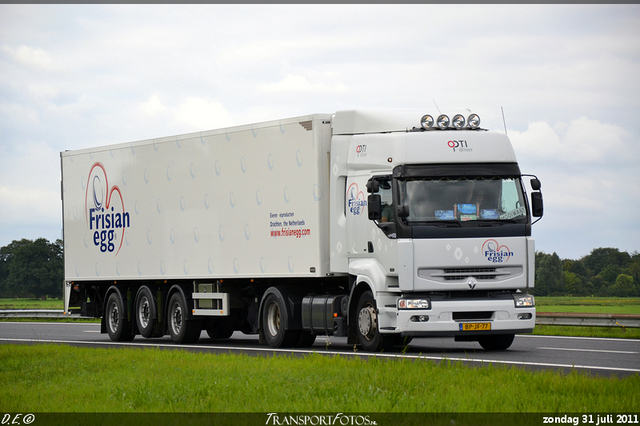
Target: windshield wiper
{"x": 496, "y": 222}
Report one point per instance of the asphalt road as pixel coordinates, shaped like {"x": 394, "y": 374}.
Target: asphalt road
{"x": 597, "y": 356}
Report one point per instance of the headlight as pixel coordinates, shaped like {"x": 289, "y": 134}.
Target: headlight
{"x": 443, "y": 121}
{"x": 414, "y": 304}
{"x": 474, "y": 121}
{"x": 426, "y": 122}
{"x": 458, "y": 121}
{"x": 524, "y": 301}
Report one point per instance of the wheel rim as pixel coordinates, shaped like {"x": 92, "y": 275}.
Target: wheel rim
{"x": 114, "y": 317}
{"x": 144, "y": 312}
{"x": 368, "y": 322}
{"x": 176, "y": 318}
{"x": 273, "y": 319}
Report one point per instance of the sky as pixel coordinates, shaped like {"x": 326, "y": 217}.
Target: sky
{"x": 566, "y": 77}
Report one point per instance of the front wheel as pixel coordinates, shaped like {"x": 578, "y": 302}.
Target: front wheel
{"x": 181, "y": 329}
{"x": 118, "y": 327}
{"x": 496, "y": 342}
{"x": 367, "y": 328}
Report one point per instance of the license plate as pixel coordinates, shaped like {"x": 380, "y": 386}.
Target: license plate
{"x": 475, "y": 326}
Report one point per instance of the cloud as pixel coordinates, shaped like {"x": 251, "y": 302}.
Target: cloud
{"x": 153, "y": 106}
{"x": 300, "y": 84}
{"x": 190, "y": 114}
{"x": 202, "y": 114}
{"x": 78, "y": 76}
{"x": 581, "y": 142}
{"x": 32, "y": 57}
{"x": 24, "y": 204}
{"x": 590, "y": 183}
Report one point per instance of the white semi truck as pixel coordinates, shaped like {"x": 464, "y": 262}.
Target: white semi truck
{"x": 377, "y": 226}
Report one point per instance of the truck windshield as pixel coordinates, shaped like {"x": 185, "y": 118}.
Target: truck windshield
{"x": 462, "y": 200}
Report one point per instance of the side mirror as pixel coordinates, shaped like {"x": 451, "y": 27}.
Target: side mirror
{"x": 374, "y": 206}
{"x": 537, "y": 207}
{"x": 535, "y": 184}
{"x": 373, "y": 186}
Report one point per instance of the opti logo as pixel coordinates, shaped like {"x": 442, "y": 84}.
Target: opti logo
{"x": 461, "y": 145}
{"x": 496, "y": 253}
{"x": 105, "y": 213}
{"x": 361, "y": 151}
{"x": 355, "y": 199}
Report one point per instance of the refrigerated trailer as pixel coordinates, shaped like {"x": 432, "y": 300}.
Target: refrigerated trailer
{"x": 375, "y": 225}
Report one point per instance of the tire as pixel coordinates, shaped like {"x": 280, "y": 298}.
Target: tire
{"x": 118, "y": 327}
{"x": 146, "y": 313}
{"x": 181, "y": 329}
{"x": 367, "y": 329}
{"x": 305, "y": 339}
{"x": 274, "y": 322}
{"x": 496, "y": 342}
{"x": 220, "y": 328}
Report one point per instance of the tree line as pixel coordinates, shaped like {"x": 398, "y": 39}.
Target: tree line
{"x": 35, "y": 269}
{"x": 603, "y": 272}
{"x": 31, "y": 269}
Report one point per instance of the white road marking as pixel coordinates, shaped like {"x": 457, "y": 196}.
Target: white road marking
{"x": 541, "y": 336}
{"x": 589, "y": 350}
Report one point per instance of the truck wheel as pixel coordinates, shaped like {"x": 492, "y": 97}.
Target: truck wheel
{"x": 274, "y": 320}
{"x": 367, "y": 325}
{"x": 220, "y": 328}
{"x": 146, "y": 314}
{"x": 181, "y": 329}
{"x": 496, "y": 342}
{"x": 118, "y": 327}
{"x": 305, "y": 339}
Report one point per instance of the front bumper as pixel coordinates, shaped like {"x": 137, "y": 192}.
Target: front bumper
{"x": 446, "y": 317}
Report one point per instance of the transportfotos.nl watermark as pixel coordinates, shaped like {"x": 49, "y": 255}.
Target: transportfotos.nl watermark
{"x": 339, "y": 419}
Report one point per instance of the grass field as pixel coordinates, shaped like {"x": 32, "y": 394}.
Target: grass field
{"x": 31, "y": 304}
{"x": 596, "y": 305}
{"x": 51, "y": 378}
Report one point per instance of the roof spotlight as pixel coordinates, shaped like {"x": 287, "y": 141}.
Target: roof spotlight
{"x": 458, "y": 121}
{"x": 474, "y": 121}
{"x": 443, "y": 121}
{"x": 426, "y": 121}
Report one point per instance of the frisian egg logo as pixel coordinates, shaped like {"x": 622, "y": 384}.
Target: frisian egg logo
{"x": 105, "y": 211}
{"x": 356, "y": 199}
{"x": 496, "y": 253}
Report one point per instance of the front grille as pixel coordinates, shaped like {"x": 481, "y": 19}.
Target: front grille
{"x": 461, "y": 274}
{"x": 479, "y": 274}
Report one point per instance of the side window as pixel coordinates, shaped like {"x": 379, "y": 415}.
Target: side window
{"x": 388, "y": 213}
{"x": 387, "y": 221}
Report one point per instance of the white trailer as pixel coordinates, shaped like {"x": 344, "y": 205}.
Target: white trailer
{"x": 361, "y": 223}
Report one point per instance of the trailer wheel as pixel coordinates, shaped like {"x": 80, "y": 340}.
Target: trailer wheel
{"x": 181, "y": 329}
{"x": 274, "y": 320}
{"x": 118, "y": 327}
{"x": 146, "y": 314}
{"x": 496, "y": 342}
{"x": 367, "y": 330}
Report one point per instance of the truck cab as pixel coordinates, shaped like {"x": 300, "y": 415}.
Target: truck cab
{"x": 433, "y": 225}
